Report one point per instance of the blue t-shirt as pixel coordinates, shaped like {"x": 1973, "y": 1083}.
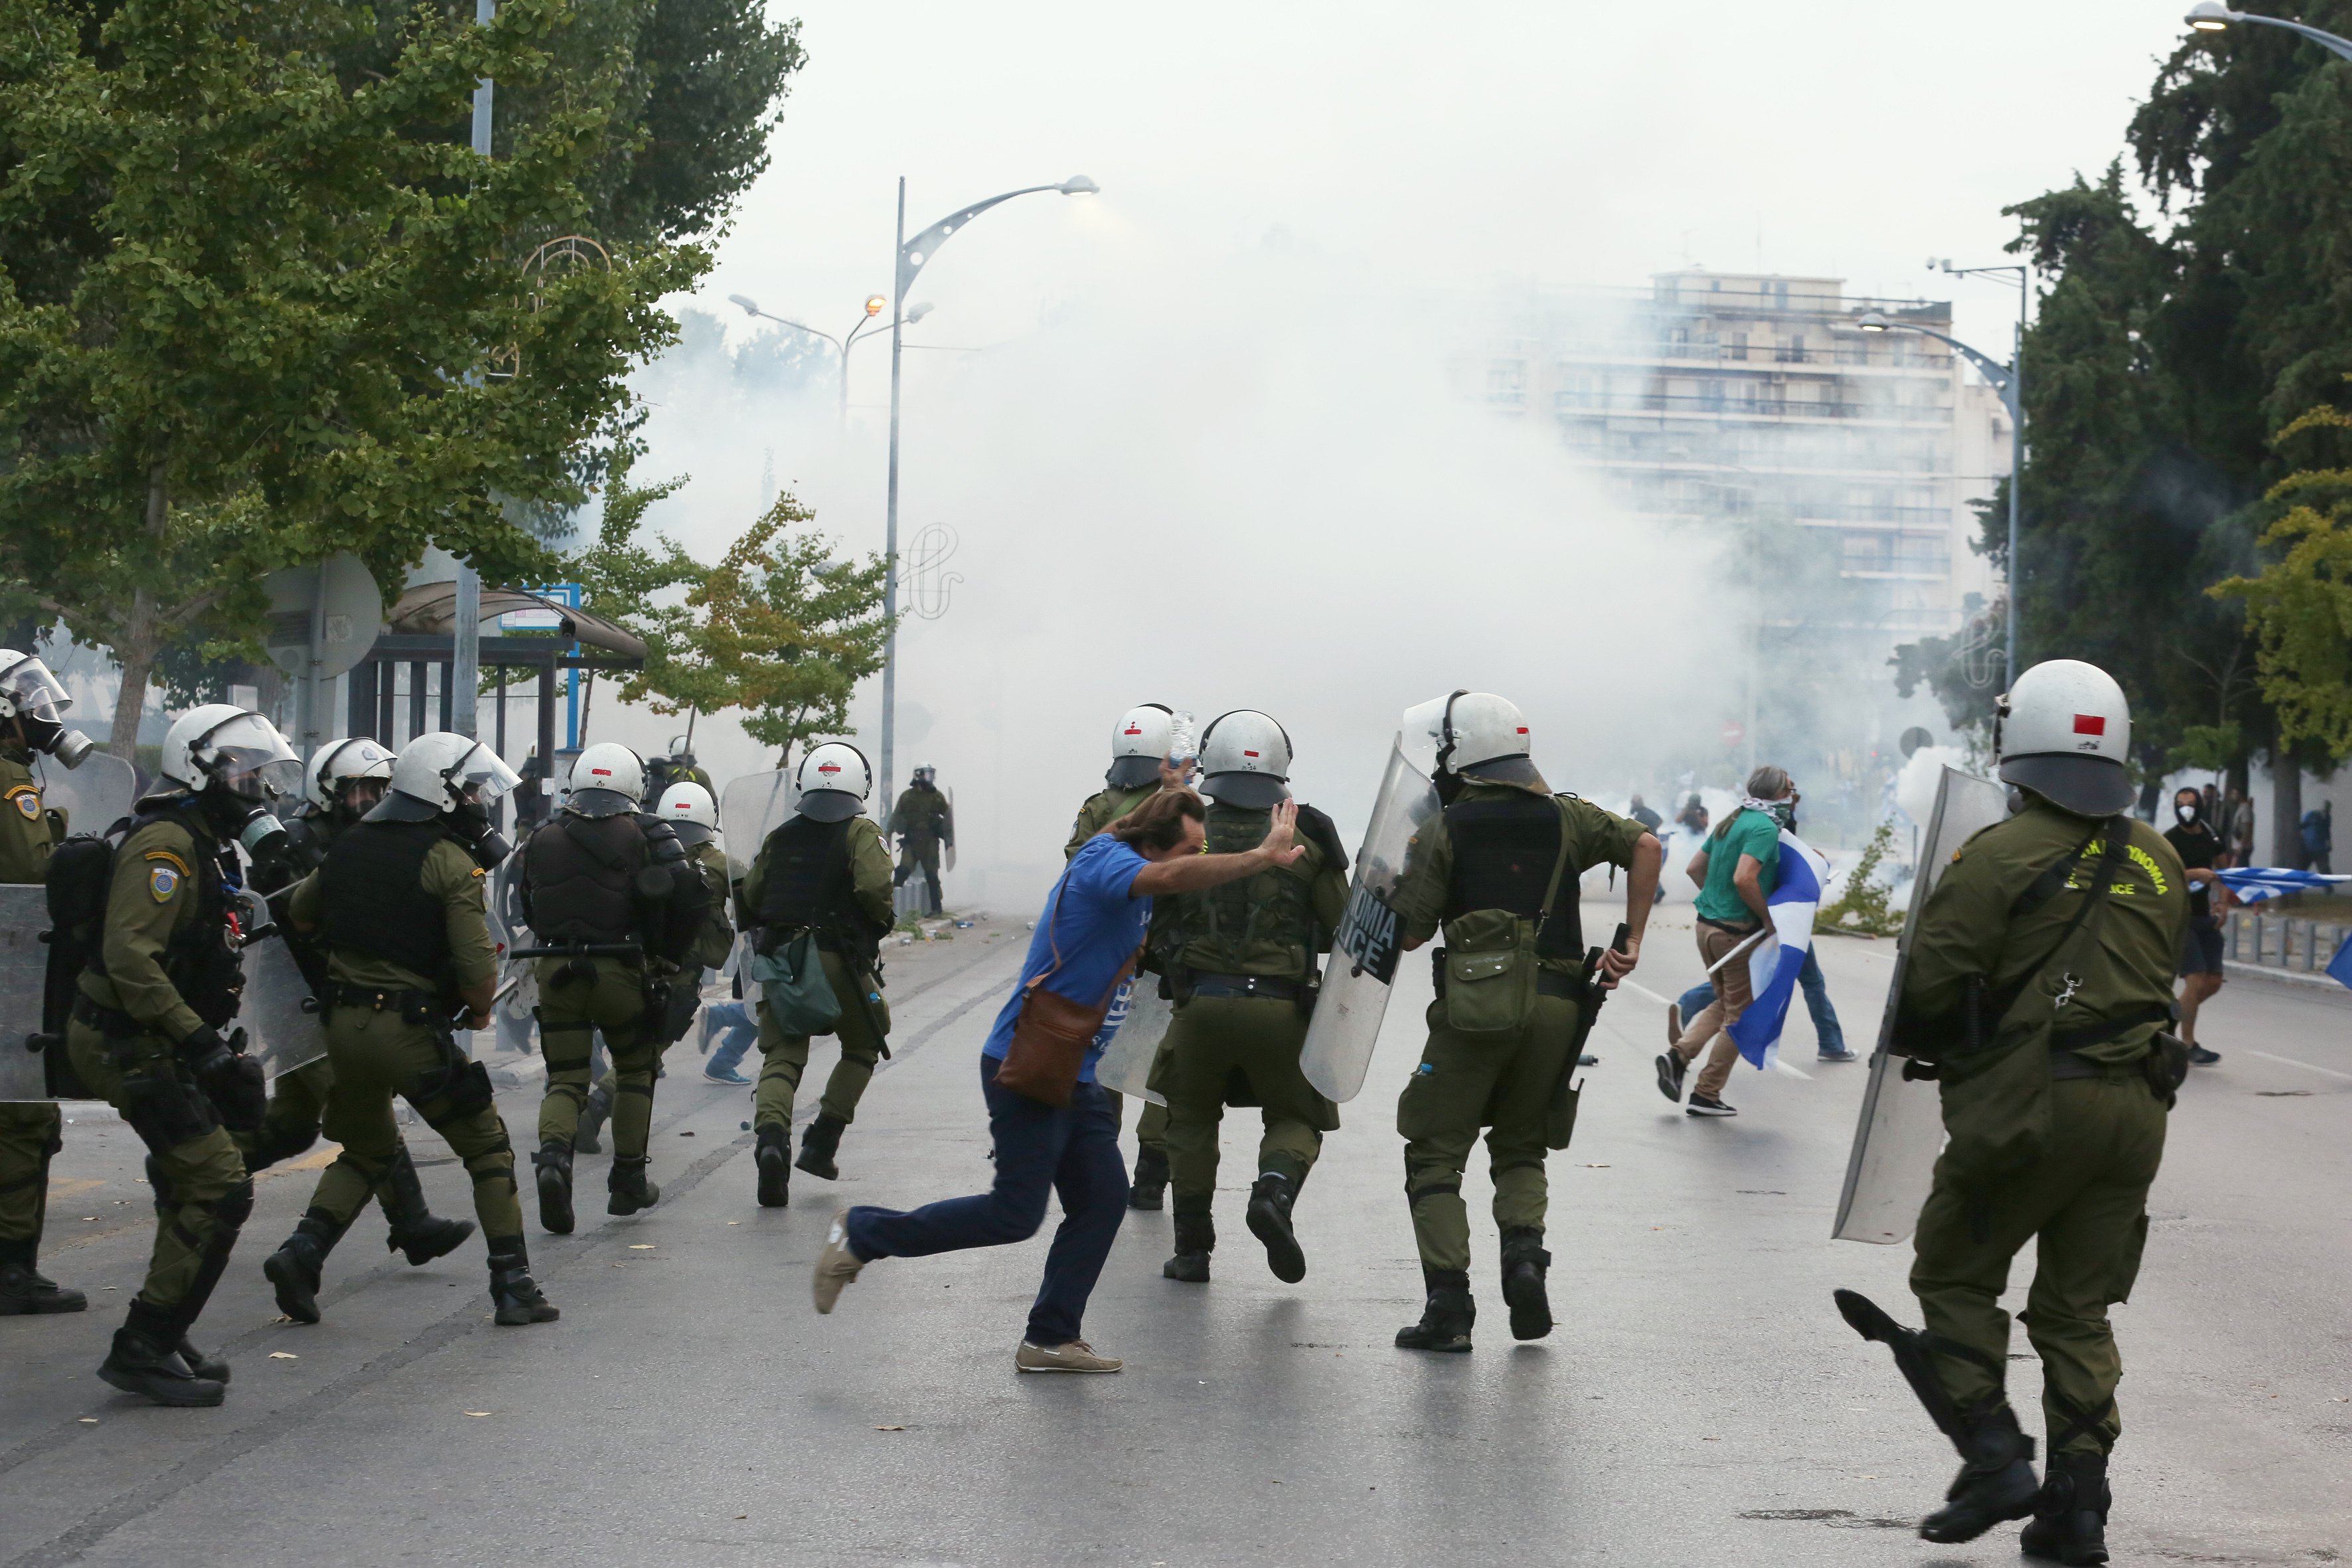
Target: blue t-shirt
{"x": 1097, "y": 927}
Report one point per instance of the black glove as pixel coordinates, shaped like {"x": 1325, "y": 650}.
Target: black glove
{"x": 203, "y": 1052}
{"x": 232, "y": 1080}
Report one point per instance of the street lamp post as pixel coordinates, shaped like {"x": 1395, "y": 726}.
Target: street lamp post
{"x": 875, "y": 305}
{"x": 911, "y": 255}
{"x": 465, "y": 610}
{"x": 2009, "y": 381}
{"x": 2212, "y": 17}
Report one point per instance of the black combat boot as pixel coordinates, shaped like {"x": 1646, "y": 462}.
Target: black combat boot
{"x": 25, "y": 1289}
{"x": 1446, "y": 1319}
{"x": 294, "y": 1268}
{"x": 626, "y": 1185}
{"x": 417, "y": 1230}
{"x": 1525, "y": 1263}
{"x": 143, "y": 1361}
{"x": 593, "y": 1110}
{"x": 2070, "y": 1517}
{"x": 1996, "y": 1480}
{"x": 819, "y": 1145}
{"x": 553, "y": 1164}
{"x": 1269, "y": 1220}
{"x": 1196, "y": 1238}
{"x": 512, "y": 1291}
{"x": 775, "y": 1155}
{"x": 1150, "y": 1188}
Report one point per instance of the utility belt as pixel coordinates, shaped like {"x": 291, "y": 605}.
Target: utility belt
{"x": 414, "y": 1007}
{"x": 1249, "y": 985}
{"x": 113, "y": 1022}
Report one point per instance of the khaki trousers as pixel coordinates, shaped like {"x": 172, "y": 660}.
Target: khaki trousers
{"x": 1731, "y": 999}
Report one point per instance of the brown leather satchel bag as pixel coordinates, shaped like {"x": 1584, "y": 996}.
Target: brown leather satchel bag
{"x": 1051, "y": 1034}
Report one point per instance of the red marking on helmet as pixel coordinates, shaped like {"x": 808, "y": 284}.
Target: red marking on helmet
{"x": 602, "y": 772}
{"x": 2089, "y": 724}
{"x": 1523, "y": 729}
{"x": 828, "y": 767}
{"x": 1249, "y": 753}
{"x": 1135, "y": 729}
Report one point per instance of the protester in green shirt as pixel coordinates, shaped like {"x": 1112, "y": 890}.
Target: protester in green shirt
{"x": 1737, "y": 870}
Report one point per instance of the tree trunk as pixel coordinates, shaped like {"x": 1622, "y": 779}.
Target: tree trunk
{"x": 2286, "y": 810}
{"x": 140, "y": 639}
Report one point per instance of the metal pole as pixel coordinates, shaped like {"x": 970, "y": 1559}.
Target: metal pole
{"x": 2016, "y": 482}
{"x": 465, "y": 615}
{"x": 884, "y": 785}
{"x": 310, "y": 696}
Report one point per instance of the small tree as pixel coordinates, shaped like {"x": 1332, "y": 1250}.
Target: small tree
{"x": 1861, "y": 906}
{"x": 2299, "y": 606}
{"x": 783, "y": 630}
{"x": 624, "y": 579}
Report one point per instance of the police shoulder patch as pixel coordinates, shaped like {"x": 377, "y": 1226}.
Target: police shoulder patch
{"x": 162, "y": 881}
{"x": 27, "y": 802}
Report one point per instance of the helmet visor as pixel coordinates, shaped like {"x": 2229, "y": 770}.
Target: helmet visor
{"x": 247, "y": 755}
{"x": 33, "y": 691}
{"x": 482, "y": 775}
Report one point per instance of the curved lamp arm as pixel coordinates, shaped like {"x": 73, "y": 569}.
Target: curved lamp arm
{"x": 2004, "y": 378}
{"x": 922, "y": 247}
{"x": 2212, "y": 17}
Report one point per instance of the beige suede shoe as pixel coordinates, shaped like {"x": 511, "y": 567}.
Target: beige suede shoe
{"x": 836, "y": 1266}
{"x": 1076, "y": 1356}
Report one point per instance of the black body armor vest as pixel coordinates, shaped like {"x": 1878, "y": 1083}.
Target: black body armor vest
{"x": 809, "y": 881}
{"x": 373, "y": 887}
{"x": 1263, "y": 924}
{"x": 1504, "y": 851}
{"x": 309, "y": 834}
{"x": 579, "y": 878}
{"x": 200, "y": 961}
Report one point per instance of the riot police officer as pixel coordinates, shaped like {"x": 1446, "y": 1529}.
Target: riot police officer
{"x": 32, "y": 709}
{"x": 161, "y": 982}
{"x": 824, "y": 871}
{"x": 924, "y": 824}
{"x": 2037, "y": 990}
{"x": 1499, "y": 868}
{"x": 613, "y": 886}
{"x": 693, "y": 816}
{"x": 1240, "y": 961}
{"x": 399, "y": 903}
{"x": 1150, "y": 752}
{"x": 344, "y": 783}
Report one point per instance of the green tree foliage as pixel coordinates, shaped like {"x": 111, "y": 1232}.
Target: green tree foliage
{"x": 1861, "y": 906}
{"x": 784, "y": 631}
{"x": 2300, "y": 604}
{"x": 244, "y": 306}
{"x": 639, "y": 584}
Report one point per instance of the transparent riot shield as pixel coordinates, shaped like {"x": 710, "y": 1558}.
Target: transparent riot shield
{"x": 754, "y": 806}
{"x": 24, "y": 970}
{"x": 1365, "y": 949}
{"x": 93, "y": 797}
{"x": 1140, "y": 1016}
{"x": 282, "y": 1027}
{"x": 1901, "y": 1129}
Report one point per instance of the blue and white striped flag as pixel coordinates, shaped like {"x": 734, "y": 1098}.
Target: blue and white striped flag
{"x": 1773, "y": 964}
{"x": 2253, "y": 884}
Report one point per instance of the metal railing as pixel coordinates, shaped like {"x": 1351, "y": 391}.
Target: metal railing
{"x": 1752, "y": 408}
{"x": 2281, "y": 942}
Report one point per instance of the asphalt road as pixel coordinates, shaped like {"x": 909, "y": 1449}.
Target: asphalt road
{"x": 1700, "y": 1403}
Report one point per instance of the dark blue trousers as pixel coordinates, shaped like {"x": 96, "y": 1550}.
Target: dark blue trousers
{"x": 1070, "y": 1151}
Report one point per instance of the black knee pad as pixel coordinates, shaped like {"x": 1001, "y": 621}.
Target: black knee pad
{"x": 235, "y": 1206}
{"x": 166, "y": 1113}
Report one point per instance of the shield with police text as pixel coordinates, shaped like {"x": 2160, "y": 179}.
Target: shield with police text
{"x": 93, "y": 797}
{"x": 754, "y": 806}
{"x": 1901, "y": 1130}
{"x": 1365, "y": 950}
{"x": 1139, "y": 1020}
{"x": 24, "y": 968}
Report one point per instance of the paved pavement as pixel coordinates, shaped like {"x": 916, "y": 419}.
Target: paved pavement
{"x": 1700, "y": 1403}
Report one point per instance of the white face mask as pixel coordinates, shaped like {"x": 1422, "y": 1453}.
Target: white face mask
{"x": 2187, "y": 813}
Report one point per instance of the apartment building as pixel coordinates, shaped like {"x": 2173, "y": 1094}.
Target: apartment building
{"x": 1711, "y": 399}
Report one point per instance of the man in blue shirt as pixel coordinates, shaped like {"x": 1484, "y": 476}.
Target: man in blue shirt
{"x": 1094, "y": 922}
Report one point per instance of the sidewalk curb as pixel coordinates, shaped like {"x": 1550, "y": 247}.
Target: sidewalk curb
{"x": 521, "y": 1074}
{"x": 2234, "y": 969}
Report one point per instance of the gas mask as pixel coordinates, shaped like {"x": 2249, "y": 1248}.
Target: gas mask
{"x": 69, "y": 747}
{"x": 245, "y": 819}
{"x": 470, "y": 826}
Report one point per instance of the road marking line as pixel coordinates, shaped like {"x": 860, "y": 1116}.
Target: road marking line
{"x": 1793, "y": 1072}
{"x": 2307, "y": 1066}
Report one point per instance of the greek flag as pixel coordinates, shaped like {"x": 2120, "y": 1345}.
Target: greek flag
{"x": 1772, "y": 965}
{"x": 2253, "y": 884}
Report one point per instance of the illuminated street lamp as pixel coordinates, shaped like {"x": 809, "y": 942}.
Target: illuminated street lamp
{"x": 2009, "y": 381}
{"x": 875, "y": 305}
{"x": 2212, "y": 17}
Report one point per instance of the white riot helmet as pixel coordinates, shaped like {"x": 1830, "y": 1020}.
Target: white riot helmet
{"x": 1139, "y": 744}
{"x": 1246, "y": 760}
{"x": 442, "y": 771}
{"x": 687, "y": 807}
{"x": 1484, "y": 737}
{"x": 342, "y": 763}
{"x": 833, "y": 781}
{"x": 2064, "y": 732}
{"x": 607, "y": 780}
{"x": 29, "y": 693}
{"x": 232, "y": 747}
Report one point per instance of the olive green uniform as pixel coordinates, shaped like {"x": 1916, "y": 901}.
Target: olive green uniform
{"x": 718, "y": 938}
{"x": 1500, "y": 1081}
{"x": 923, "y": 820}
{"x": 390, "y": 1046}
{"x": 202, "y": 1193}
{"x": 2085, "y": 1198}
{"x": 862, "y": 1027}
{"x": 1262, "y": 933}
{"x": 30, "y": 1134}
{"x": 1102, "y": 808}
